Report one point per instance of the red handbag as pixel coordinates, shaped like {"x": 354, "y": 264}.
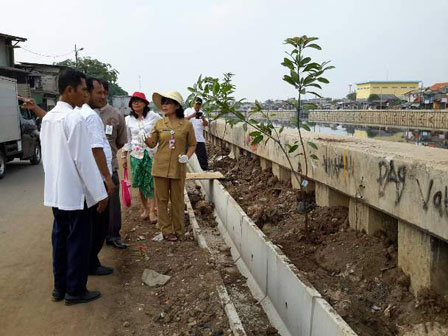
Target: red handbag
{"x": 126, "y": 190}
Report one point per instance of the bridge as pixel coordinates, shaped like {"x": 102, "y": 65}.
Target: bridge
{"x": 425, "y": 120}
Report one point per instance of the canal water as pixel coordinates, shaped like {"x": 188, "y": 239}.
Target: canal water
{"x": 417, "y": 137}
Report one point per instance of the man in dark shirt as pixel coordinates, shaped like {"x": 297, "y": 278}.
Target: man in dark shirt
{"x": 115, "y": 129}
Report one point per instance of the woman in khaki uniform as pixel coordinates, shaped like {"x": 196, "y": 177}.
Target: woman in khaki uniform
{"x": 175, "y": 135}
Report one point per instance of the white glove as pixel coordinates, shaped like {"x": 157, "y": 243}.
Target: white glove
{"x": 142, "y": 136}
{"x": 183, "y": 158}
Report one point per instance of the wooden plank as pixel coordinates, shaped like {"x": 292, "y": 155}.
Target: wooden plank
{"x": 205, "y": 176}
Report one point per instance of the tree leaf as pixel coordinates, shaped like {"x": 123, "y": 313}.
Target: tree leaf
{"x": 257, "y": 139}
{"x": 281, "y": 130}
{"x": 315, "y": 46}
{"x": 315, "y": 85}
{"x": 289, "y": 80}
{"x": 323, "y": 80}
{"x": 293, "y": 148}
{"x": 311, "y": 66}
{"x": 314, "y": 157}
{"x": 314, "y": 93}
{"x": 254, "y": 133}
{"x": 305, "y": 127}
{"x": 239, "y": 115}
{"x": 306, "y": 60}
{"x": 215, "y": 88}
{"x": 245, "y": 127}
{"x": 312, "y": 144}
{"x": 288, "y": 63}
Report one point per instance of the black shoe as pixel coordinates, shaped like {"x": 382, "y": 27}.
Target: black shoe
{"x": 86, "y": 297}
{"x": 57, "y": 295}
{"x": 117, "y": 243}
{"x": 102, "y": 270}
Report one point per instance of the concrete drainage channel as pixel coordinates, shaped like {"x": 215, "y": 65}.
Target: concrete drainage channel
{"x": 226, "y": 302}
{"x": 293, "y": 307}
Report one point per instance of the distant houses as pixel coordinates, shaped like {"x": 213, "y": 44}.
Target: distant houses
{"x": 35, "y": 80}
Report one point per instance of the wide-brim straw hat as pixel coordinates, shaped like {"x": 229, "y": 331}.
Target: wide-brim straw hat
{"x": 174, "y": 95}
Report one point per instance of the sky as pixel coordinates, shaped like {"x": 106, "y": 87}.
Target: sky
{"x": 165, "y": 45}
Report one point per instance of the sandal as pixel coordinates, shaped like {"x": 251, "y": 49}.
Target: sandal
{"x": 153, "y": 221}
{"x": 170, "y": 237}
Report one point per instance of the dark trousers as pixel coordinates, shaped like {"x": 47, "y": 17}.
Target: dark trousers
{"x": 114, "y": 227}
{"x": 100, "y": 222}
{"x": 201, "y": 153}
{"x": 71, "y": 238}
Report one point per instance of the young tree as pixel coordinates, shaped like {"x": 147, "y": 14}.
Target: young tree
{"x": 304, "y": 75}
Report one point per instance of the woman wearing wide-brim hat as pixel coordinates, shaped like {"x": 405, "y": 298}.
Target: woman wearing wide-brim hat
{"x": 177, "y": 143}
{"x": 139, "y": 125}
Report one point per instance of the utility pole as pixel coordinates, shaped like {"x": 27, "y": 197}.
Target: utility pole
{"x": 76, "y": 55}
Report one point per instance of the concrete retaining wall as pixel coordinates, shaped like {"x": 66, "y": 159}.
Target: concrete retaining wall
{"x": 431, "y": 120}
{"x": 381, "y": 182}
{"x": 294, "y": 308}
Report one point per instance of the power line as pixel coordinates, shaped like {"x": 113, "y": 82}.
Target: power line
{"x": 43, "y": 55}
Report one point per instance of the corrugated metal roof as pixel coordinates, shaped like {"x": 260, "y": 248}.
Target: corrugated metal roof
{"x": 14, "y": 38}
{"x": 29, "y": 64}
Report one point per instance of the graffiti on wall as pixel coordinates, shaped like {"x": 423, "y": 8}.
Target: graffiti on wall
{"x": 337, "y": 165}
{"x": 389, "y": 174}
{"x": 434, "y": 196}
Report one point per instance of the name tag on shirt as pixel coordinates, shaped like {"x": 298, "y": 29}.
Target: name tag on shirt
{"x": 109, "y": 129}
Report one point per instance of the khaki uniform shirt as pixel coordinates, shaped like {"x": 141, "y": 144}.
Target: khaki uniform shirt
{"x": 166, "y": 160}
{"x": 115, "y": 129}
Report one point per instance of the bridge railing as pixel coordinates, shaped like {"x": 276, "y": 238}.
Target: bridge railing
{"x": 417, "y": 119}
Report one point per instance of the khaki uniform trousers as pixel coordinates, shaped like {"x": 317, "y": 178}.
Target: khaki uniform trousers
{"x": 168, "y": 189}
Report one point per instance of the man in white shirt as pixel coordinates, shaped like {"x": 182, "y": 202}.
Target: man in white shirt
{"x": 196, "y": 116}
{"x": 103, "y": 155}
{"x": 72, "y": 185}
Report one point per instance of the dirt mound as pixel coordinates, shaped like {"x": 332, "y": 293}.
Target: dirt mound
{"x": 355, "y": 272}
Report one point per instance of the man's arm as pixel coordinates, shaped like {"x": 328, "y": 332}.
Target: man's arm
{"x": 190, "y": 113}
{"x": 30, "y": 104}
{"x": 204, "y": 121}
{"x": 122, "y": 133}
{"x": 78, "y": 144}
{"x": 95, "y": 128}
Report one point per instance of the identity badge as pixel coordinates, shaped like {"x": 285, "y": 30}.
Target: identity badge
{"x": 109, "y": 129}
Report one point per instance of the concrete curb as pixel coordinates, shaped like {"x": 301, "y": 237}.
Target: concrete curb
{"x": 293, "y": 307}
{"x": 234, "y": 320}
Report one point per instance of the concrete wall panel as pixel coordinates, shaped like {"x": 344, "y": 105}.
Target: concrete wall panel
{"x": 326, "y": 321}
{"x": 402, "y": 180}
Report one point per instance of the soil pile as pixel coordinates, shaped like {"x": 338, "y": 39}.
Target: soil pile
{"x": 355, "y": 272}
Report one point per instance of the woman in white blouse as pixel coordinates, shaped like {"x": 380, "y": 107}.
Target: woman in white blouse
{"x": 139, "y": 125}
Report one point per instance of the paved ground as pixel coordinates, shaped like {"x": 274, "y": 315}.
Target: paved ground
{"x": 25, "y": 266}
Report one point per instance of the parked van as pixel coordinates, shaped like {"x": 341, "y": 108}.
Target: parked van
{"x": 19, "y": 135}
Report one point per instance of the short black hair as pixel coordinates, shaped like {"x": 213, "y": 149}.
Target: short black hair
{"x": 70, "y": 77}
{"x": 90, "y": 81}
{"x": 198, "y": 100}
{"x": 180, "y": 113}
{"x": 146, "y": 109}
{"x": 106, "y": 86}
